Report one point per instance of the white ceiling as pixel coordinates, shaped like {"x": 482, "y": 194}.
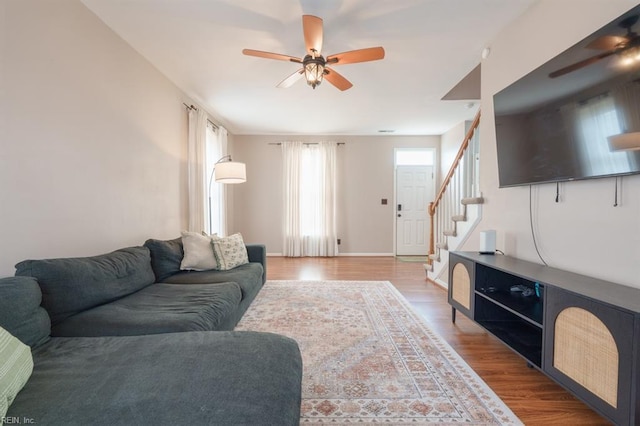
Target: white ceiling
{"x": 430, "y": 46}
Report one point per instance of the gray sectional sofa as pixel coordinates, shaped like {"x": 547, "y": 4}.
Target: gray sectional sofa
{"x": 128, "y": 338}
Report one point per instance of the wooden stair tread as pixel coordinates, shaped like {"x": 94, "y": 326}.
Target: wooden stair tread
{"x": 472, "y": 200}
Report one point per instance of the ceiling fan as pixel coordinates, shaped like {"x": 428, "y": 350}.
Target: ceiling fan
{"x": 627, "y": 46}
{"x": 314, "y": 65}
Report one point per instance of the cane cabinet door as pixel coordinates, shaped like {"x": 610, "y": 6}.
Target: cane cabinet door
{"x": 589, "y": 349}
{"x": 461, "y": 284}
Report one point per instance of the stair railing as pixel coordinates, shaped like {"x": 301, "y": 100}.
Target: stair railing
{"x": 459, "y": 183}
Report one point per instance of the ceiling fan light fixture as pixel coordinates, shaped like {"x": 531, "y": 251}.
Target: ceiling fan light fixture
{"x": 630, "y": 55}
{"x": 314, "y": 71}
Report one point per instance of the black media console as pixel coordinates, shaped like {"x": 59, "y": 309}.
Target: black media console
{"x": 582, "y": 332}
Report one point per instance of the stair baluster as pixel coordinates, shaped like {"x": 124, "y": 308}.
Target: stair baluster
{"x": 459, "y": 188}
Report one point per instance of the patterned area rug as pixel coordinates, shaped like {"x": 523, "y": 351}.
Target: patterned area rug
{"x": 369, "y": 359}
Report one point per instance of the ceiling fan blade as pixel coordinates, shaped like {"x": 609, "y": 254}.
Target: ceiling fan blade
{"x": 269, "y": 55}
{"x": 312, "y": 29}
{"x": 337, "y": 80}
{"x": 580, "y": 64}
{"x": 607, "y": 42}
{"x": 288, "y": 82}
{"x": 353, "y": 56}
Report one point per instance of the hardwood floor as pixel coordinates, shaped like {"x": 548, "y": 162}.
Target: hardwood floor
{"x": 533, "y": 397}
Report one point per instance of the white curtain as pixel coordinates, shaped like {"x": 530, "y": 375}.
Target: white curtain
{"x": 216, "y": 149}
{"x": 309, "y": 199}
{"x": 196, "y": 166}
{"x": 596, "y": 120}
{"x": 627, "y": 101}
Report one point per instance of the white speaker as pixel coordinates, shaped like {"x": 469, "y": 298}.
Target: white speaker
{"x": 488, "y": 242}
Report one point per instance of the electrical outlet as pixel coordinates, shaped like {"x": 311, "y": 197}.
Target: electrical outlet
{"x": 383, "y": 202}
{"x": 339, "y": 241}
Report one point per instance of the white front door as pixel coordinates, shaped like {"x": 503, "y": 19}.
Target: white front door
{"x": 414, "y": 191}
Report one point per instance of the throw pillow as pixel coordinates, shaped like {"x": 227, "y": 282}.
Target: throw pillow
{"x": 230, "y": 251}
{"x": 17, "y": 366}
{"x": 198, "y": 253}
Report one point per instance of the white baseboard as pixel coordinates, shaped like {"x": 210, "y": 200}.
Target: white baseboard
{"x": 346, "y": 254}
{"x": 441, "y": 283}
{"x": 367, "y": 254}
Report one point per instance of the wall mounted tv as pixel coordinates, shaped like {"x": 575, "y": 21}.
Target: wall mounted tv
{"x": 576, "y": 116}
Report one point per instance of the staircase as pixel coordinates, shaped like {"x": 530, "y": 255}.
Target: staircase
{"x": 456, "y": 209}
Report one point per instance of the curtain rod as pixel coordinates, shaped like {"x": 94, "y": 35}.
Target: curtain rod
{"x": 191, "y": 107}
{"x": 304, "y": 143}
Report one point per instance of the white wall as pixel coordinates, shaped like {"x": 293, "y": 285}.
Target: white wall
{"x": 93, "y": 138}
{"x": 449, "y": 147}
{"x": 365, "y": 176}
{"x": 583, "y": 233}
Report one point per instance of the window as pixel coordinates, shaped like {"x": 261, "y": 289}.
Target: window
{"x": 597, "y": 119}
{"x": 414, "y": 157}
{"x": 310, "y": 181}
{"x": 216, "y": 203}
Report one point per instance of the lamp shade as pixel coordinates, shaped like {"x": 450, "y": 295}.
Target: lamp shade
{"x": 230, "y": 172}
{"x": 625, "y": 141}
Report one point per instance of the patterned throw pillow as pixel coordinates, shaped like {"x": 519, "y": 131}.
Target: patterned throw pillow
{"x": 230, "y": 251}
{"x": 16, "y": 365}
{"x": 198, "y": 254}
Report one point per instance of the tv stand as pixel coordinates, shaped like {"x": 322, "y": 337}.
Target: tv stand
{"x": 582, "y": 332}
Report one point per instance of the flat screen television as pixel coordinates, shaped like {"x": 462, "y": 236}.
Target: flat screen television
{"x": 578, "y": 115}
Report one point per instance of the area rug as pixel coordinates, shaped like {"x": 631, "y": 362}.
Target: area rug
{"x": 370, "y": 359}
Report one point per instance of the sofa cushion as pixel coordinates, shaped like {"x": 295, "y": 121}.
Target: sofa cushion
{"x": 198, "y": 252}
{"x": 248, "y": 277}
{"x": 72, "y": 285}
{"x": 258, "y": 253}
{"x": 20, "y": 310}
{"x": 223, "y": 378}
{"x": 159, "y": 308}
{"x": 166, "y": 256}
{"x": 15, "y": 369}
